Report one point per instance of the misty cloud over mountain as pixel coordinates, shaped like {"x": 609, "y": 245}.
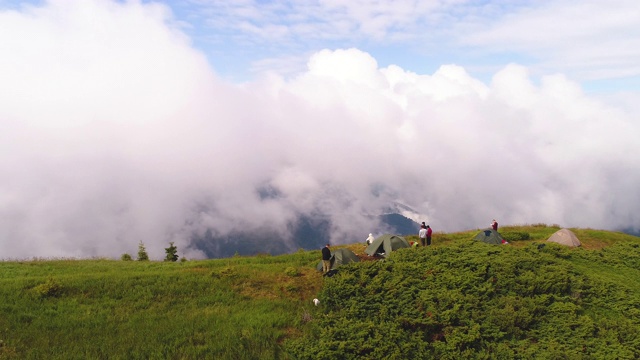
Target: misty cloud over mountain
{"x": 115, "y": 130}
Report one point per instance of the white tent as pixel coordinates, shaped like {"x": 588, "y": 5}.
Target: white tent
{"x": 565, "y": 237}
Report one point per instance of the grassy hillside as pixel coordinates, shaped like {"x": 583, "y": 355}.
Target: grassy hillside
{"x": 455, "y": 299}
{"x": 236, "y": 308}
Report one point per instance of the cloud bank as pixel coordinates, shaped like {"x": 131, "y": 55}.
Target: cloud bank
{"x": 115, "y": 130}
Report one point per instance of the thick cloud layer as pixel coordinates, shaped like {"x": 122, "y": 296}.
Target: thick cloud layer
{"x": 114, "y": 130}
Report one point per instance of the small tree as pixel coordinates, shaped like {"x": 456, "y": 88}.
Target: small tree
{"x": 142, "y": 252}
{"x": 172, "y": 252}
{"x": 126, "y": 257}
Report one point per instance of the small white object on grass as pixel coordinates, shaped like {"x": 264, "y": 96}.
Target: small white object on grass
{"x": 316, "y": 302}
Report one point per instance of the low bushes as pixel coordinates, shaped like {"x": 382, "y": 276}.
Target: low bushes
{"x": 473, "y": 301}
{"x": 515, "y": 236}
{"x": 50, "y": 288}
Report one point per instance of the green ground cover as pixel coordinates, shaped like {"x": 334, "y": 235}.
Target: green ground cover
{"x": 457, "y": 299}
{"x": 237, "y": 308}
{"x": 470, "y": 300}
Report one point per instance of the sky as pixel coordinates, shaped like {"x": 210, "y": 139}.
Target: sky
{"x": 132, "y": 121}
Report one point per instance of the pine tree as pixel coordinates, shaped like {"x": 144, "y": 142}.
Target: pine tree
{"x": 172, "y": 253}
{"x": 142, "y": 252}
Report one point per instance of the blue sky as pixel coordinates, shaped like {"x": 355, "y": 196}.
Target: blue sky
{"x": 593, "y": 42}
{"x": 154, "y": 121}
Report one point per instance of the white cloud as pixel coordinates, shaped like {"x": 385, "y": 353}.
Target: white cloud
{"x": 92, "y": 93}
{"x": 589, "y": 40}
{"x": 114, "y": 130}
{"x": 325, "y": 19}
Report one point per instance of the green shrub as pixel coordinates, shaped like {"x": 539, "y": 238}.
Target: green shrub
{"x": 225, "y": 272}
{"x": 126, "y": 257}
{"x": 172, "y": 253}
{"x": 50, "y": 288}
{"x": 516, "y": 236}
{"x": 291, "y": 271}
{"x": 142, "y": 252}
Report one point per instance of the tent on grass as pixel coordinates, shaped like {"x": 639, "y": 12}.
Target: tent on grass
{"x": 385, "y": 244}
{"x": 489, "y": 236}
{"x": 565, "y": 237}
{"x": 340, "y": 257}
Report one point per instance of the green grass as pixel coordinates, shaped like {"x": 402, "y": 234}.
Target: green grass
{"x": 260, "y": 307}
{"x": 237, "y": 308}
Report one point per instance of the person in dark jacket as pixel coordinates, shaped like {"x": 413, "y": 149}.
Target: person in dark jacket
{"x": 326, "y": 259}
{"x": 494, "y": 225}
{"x": 429, "y": 231}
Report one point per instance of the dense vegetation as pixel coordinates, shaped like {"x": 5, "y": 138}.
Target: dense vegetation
{"x": 457, "y": 299}
{"x": 478, "y": 301}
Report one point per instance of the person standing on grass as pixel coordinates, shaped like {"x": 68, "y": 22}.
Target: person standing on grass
{"x": 370, "y": 239}
{"x": 326, "y": 259}
{"x": 494, "y": 225}
{"x": 428, "y": 235}
{"x": 422, "y": 234}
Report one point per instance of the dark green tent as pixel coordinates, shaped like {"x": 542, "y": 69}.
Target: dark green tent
{"x": 340, "y": 257}
{"x": 385, "y": 244}
{"x": 489, "y": 236}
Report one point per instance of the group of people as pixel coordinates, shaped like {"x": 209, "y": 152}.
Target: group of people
{"x": 425, "y": 234}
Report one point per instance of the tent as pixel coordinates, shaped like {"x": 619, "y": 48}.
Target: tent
{"x": 489, "y": 236}
{"x": 565, "y": 237}
{"x": 385, "y": 244}
{"x": 340, "y": 257}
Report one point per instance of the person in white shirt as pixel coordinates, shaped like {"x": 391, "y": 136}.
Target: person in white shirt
{"x": 370, "y": 239}
{"x": 422, "y": 234}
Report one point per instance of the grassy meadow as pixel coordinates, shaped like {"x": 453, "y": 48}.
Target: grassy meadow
{"x": 457, "y": 298}
{"x": 236, "y": 308}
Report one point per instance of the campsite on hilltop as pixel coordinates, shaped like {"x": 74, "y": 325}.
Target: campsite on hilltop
{"x": 459, "y": 298}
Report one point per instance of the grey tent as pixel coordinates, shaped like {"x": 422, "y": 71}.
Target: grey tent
{"x": 385, "y": 244}
{"x": 565, "y": 237}
{"x": 340, "y": 257}
{"x": 489, "y": 236}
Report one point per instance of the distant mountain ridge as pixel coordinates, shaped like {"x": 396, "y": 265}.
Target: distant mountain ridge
{"x": 399, "y": 224}
{"x": 306, "y": 232}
